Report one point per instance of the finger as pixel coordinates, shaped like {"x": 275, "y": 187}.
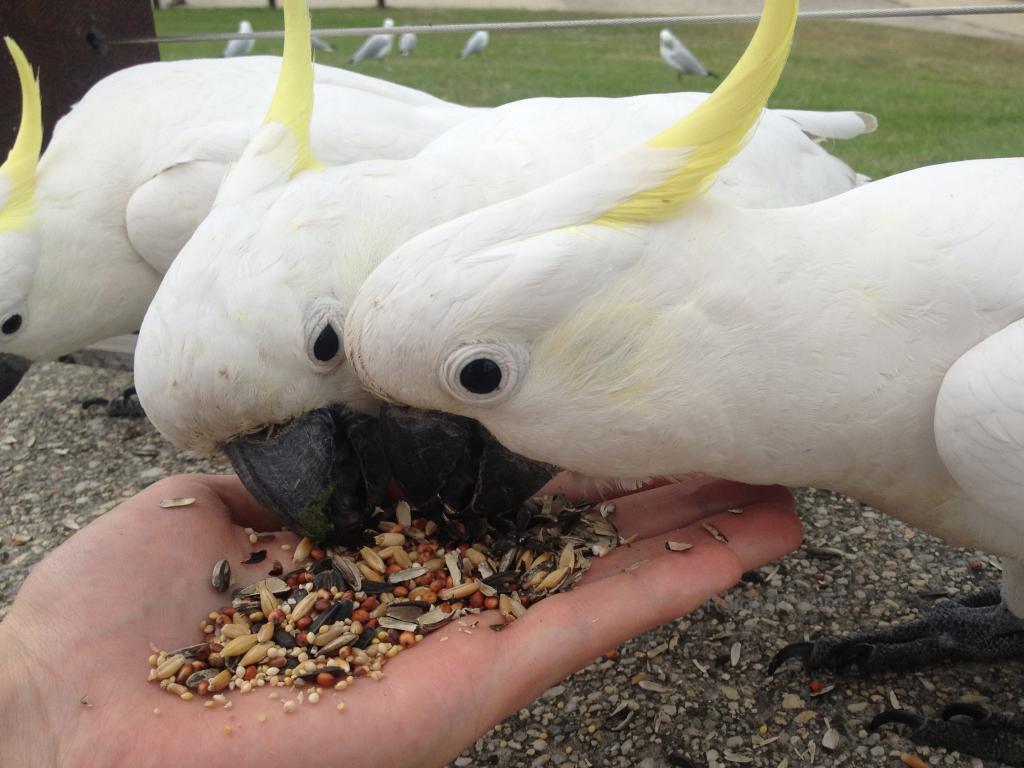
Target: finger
{"x": 577, "y": 487}
{"x": 755, "y": 536}
{"x": 673, "y": 506}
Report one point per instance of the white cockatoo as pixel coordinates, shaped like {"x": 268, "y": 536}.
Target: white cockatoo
{"x": 374, "y": 47}
{"x": 628, "y": 321}
{"x": 475, "y": 44}
{"x": 680, "y": 58}
{"x": 243, "y": 47}
{"x": 252, "y": 311}
{"x": 407, "y": 43}
{"x": 18, "y": 214}
{"x": 108, "y": 221}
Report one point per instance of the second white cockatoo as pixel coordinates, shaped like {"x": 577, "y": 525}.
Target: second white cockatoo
{"x": 244, "y": 333}
{"x": 680, "y": 58}
{"x": 240, "y": 47}
{"x": 629, "y": 321}
{"x": 475, "y": 44}
{"x": 108, "y": 222}
{"x": 374, "y": 47}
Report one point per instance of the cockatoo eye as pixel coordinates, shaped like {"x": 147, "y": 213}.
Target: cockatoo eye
{"x": 483, "y": 373}
{"x": 11, "y": 324}
{"x": 324, "y": 325}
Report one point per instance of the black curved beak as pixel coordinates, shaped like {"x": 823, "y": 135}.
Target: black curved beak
{"x": 12, "y": 368}
{"x": 323, "y": 473}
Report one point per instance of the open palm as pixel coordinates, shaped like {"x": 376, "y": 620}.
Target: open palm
{"x": 73, "y": 690}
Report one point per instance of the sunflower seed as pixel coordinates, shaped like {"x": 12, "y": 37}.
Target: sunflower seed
{"x": 407, "y": 612}
{"x": 196, "y": 678}
{"x": 435, "y": 619}
{"x": 221, "y": 579}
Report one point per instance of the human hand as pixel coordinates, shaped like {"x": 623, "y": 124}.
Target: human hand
{"x": 73, "y": 670}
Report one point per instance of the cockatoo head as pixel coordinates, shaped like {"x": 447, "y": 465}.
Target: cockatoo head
{"x": 530, "y": 316}
{"x": 19, "y": 237}
{"x": 667, "y": 39}
{"x": 242, "y": 345}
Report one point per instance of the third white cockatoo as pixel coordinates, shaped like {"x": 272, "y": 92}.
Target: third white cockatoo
{"x": 245, "y": 330}
{"x": 629, "y": 321}
{"x": 374, "y": 47}
{"x": 108, "y": 220}
{"x": 407, "y": 44}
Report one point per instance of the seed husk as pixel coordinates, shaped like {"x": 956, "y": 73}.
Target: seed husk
{"x": 255, "y": 557}
{"x": 170, "y": 667}
{"x": 197, "y": 677}
{"x": 267, "y": 600}
{"x": 435, "y": 619}
{"x": 303, "y": 607}
{"x": 677, "y": 546}
{"x": 341, "y": 641}
{"x": 302, "y": 549}
{"x": 172, "y": 503}
{"x": 257, "y": 653}
{"x": 408, "y": 612}
{"x": 403, "y": 514}
{"x": 409, "y": 573}
{"x": 715, "y": 533}
{"x": 372, "y": 559}
{"x": 451, "y": 560}
{"x": 221, "y": 578}
{"x": 387, "y": 622}
{"x": 239, "y": 645}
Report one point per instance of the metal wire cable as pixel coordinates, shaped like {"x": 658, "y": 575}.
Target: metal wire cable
{"x": 639, "y": 21}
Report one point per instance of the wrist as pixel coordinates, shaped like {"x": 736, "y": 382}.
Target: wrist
{"x": 23, "y": 717}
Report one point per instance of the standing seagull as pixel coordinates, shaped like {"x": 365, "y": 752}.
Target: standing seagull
{"x": 476, "y": 44}
{"x": 680, "y": 58}
{"x": 375, "y": 47}
{"x": 240, "y": 47}
{"x": 407, "y": 43}
{"x": 319, "y": 44}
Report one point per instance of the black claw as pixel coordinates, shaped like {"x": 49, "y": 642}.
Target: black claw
{"x": 902, "y": 716}
{"x": 975, "y": 712}
{"x": 800, "y": 651}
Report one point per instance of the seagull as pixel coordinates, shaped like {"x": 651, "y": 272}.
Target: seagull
{"x": 319, "y": 44}
{"x": 407, "y": 43}
{"x": 476, "y": 44}
{"x": 240, "y": 47}
{"x": 680, "y": 58}
{"x": 375, "y": 47}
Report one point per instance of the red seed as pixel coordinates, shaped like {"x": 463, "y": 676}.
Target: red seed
{"x": 323, "y": 594}
{"x": 445, "y": 607}
{"x": 424, "y": 580}
{"x": 304, "y": 622}
{"x": 397, "y": 528}
{"x": 976, "y": 565}
{"x": 325, "y": 680}
{"x": 293, "y": 581}
{"x": 184, "y": 672}
{"x": 250, "y": 672}
{"x": 419, "y": 522}
{"x": 476, "y": 600}
{"x": 201, "y": 688}
{"x": 197, "y": 665}
{"x": 361, "y": 616}
{"x": 436, "y": 585}
{"x": 815, "y": 686}
{"x": 393, "y": 568}
{"x": 371, "y": 624}
{"x": 321, "y": 605}
{"x": 317, "y": 554}
{"x": 278, "y": 662}
{"x": 490, "y": 603}
{"x": 429, "y": 597}
{"x": 369, "y": 603}
{"x": 407, "y": 639}
{"x": 400, "y": 591}
{"x": 301, "y": 638}
{"x": 276, "y": 616}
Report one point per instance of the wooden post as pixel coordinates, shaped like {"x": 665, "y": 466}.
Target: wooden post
{"x": 66, "y": 44}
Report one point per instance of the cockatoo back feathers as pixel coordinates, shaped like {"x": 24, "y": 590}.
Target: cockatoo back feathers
{"x": 18, "y": 173}
{"x": 711, "y": 135}
{"x": 292, "y": 105}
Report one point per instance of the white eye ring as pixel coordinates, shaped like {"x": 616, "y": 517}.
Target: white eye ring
{"x": 481, "y": 372}
{"x": 325, "y": 327}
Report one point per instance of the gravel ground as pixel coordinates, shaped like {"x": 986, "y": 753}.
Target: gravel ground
{"x": 61, "y": 467}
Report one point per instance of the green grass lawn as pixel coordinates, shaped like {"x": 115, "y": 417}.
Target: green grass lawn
{"x": 938, "y": 97}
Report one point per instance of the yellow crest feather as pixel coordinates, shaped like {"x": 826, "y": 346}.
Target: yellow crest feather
{"x": 20, "y": 166}
{"x": 720, "y": 127}
{"x": 292, "y": 105}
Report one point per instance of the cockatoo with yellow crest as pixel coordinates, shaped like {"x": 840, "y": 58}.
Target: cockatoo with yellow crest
{"x": 241, "y": 347}
{"x": 87, "y": 232}
{"x": 629, "y": 321}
